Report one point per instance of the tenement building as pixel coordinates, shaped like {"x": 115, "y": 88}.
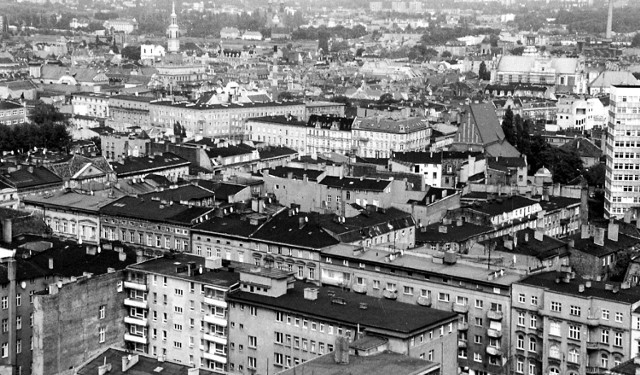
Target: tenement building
{"x": 276, "y": 323}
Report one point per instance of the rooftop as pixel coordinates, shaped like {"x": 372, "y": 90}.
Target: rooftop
{"x": 70, "y": 199}
{"x": 504, "y": 204}
{"x": 135, "y": 165}
{"x": 454, "y": 232}
{"x": 170, "y": 264}
{"x": 471, "y": 272}
{"x": 145, "y": 365}
{"x": 395, "y": 318}
{"x": 351, "y": 183}
{"x": 527, "y": 244}
{"x": 153, "y": 210}
{"x": 380, "y": 364}
{"x": 284, "y": 120}
{"x": 301, "y": 229}
{"x": 296, "y": 173}
{"x": 598, "y": 289}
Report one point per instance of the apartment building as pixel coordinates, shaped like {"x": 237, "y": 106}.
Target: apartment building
{"x": 70, "y": 215}
{"x": 219, "y": 120}
{"x": 90, "y": 104}
{"x": 278, "y": 131}
{"x": 324, "y": 108}
{"x": 166, "y": 164}
{"x": 290, "y": 239}
{"x": 622, "y": 186}
{"x": 177, "y": 310}
{"x": 151, "y": 224}
{"x": 479, "y": 294}
{"x": 118, "y": 146}
{"x": 23, "y": 337}
{"x": 12, "y": 113}
{"x": 306, "y": 321}
{"x": 381, "y": 137}
{"x": 428, "y": 164}
{"x": 564, "y": 324}
{"x": 326, "y": 134}
{"x": 128, "y": 110}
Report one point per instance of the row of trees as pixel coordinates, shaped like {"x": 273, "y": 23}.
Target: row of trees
{"x": 47, "y": 129}
{"x": 564, "y": 165}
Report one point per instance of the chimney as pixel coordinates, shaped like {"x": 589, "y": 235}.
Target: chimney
{"x": 584, "y": 231}
{"x": 581, "y": 288}
{"x": 526, "y": 236}
{"x": 50, "y": 263}
{"x": 598, "y": 238}
{"x": 193, "y": 371}
{"x": 7, "y": 229}
{"x": 627, "y": 216}
{"x": 311, "y": 294}
{"x": 341, "y": 352}
{"x": 613, "y": 231}
{"x": 129, "y": 361}
{"x": 106, "y": 367}
{"x": 122, "y": 256}
{"x": 587, "y": 284}
{"x": 539, "y": 235}
{"x": 442, "y": 229}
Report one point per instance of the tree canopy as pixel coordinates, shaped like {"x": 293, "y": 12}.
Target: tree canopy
{"x": 47, "y": 129}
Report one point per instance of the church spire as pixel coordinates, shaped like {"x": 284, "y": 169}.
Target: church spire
{"x": 173, "y": 31}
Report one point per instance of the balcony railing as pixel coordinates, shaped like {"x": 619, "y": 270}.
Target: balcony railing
{"x": 135, "y": 320}
{"x": 134, "y": 284}
{"x": 463, "y": 326}
{"x": 494, "y": 315}
{"x": 424, "y": 301}
{"x": 136, "y": 338}
{"x": 359, "y": 288}
{"x": 461, "y": 309}
{"x": 217, "y": 320}
{"x": 494, "y": 351}
{"x": 494, "y": 333}
{"x": 390, "y": 294}
{"x": 212, "y": 337}
{"x": 134, "y": 302}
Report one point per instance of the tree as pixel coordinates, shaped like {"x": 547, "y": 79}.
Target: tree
{"x": 508, "y": 128}
{"x": 446, "y": 54}
{"x": 386, "y": 98}
{"x": 131, "y": 53}
{"x": 483, "y": 73}
{"x": 285, "y": 96}
{"x": 517, "y": 51}
{"x": 635, "y": 42}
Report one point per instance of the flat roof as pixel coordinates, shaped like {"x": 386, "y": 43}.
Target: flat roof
{"x": 168, "y": 265}
{"x": 394, "y": 317}
{"x": 380, "y": 364}
{"x": 476, "y": 272}
{"x": 145, "y": 365}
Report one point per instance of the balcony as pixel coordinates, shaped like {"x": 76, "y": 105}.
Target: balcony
{"x": 220, "y": 358}
{"x": 136, "y": 338}
{"x": 135, "y": 320}
{"x": 494, "y": 351}
{"x": 593, "y": 321}
{"x": 217, "y": 320}
{"x": 460, "y": 309}
{"x": 424, "y": 301}
{"x": 494, "y": 333}
{"x": 390, "y": 294}
{"x": 462, "y": 343}
{"x": 215, "y": 338}
{"x": 463, "y": 326}
{"x": 596, "y": 370}
{"x": 135, "y": 285}
{"x": 359, "y": 288}
{"x": 215, "y": 302}
{"x": 134, "y": 302}
{"x": 494, "y": 315}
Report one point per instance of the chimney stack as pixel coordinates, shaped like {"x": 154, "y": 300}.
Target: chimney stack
{"x": 7, "y": 230}
{"x": 129, "y": 361}
{"x": 613, "y": 231}
{"x": 50, "y": 263}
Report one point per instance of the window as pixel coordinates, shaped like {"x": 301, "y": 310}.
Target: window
{"x": 18, "y": 322}
{"x": 408, "y": 290}
{"x": 554, "y": 329}
{"x": 376, "y": 284}
{"x": 617, "y": 340}
{"x": 533, "y": 322}
{"x": 556, "y": 306}
{"x": 477, "y": 339}
{"x": 462, "y": 301}
{"x": 478, "y": 321}
{"x": 521, "y": 317}
{"x": 522, "y": 298}
{"x": 554, "y": 351}
{"x": 605, "y": 314}
{"x": 574, "y": 310}
{"x": 479, "y": 303}
{"x": 477, "y": 357}
{"x": 574, "y": 356}
{"x": 5, "y": 303}
{"x": 604, "y": 336}
{"x": 443, "y": 297}
{"x": 604, "y": 360}
{"x": 533, "y": 344}
{"x": 101, "y": 335}
{"x": 619, "y": 317}
{"x": 519, "y": 366}
{"x": 5, "y": 325}
{"x": 18, "y": 299}
{"x": 5, "y": 349}
{"x": 253, "y": 311}
{"x": 253, "y": 342}
{"x": 102, "y": 311}
{"x": 520, "y": 342}
{"x": 534, "y": 300}
{"x": 179, "y": 292}
{"x": 574, "y": 332}
{"x": 532, "y": 368}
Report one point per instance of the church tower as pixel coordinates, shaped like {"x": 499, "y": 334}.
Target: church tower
{"x": 173, "y": 45}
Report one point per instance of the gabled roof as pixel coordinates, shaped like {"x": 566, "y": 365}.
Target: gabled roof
{"x": 69, "y": 166}
{"x": 301, "y": 230}
{"x": 584, "y": 147}
{"x": 296, "y": 173}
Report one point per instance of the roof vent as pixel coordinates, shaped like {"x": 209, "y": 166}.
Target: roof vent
{"x": 363, "y": 306}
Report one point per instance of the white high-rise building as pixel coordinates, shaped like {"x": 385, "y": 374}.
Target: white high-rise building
{"x": 622, "y": 179}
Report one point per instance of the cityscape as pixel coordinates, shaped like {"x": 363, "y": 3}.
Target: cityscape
{"x": 291, "y": 187}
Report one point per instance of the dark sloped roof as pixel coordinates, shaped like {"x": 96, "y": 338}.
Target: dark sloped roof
{"x": 368, "y": 224}
{"x": 506, "y": 204}
{"x": 22, "y": 178}
{"x": 286, "y": 229}
{"x": 588, "y": 246}
{"x": 418, "y": 157}
{"x": 148, "y": 209}
{"x": 528, "y": 245}
{"x": 134, "y": 165}
{"x": 181, "y": 193}
{"x": 274, "y": 152}
{"x": 400, "y": 318}
{"x": 454, "y": 233}
{"x": 547, "y": 280}
{"x": 234, "y": 225}
{"x": 583, "y": 147}
{"x": 296, "y": 173}
{"x": 350, "y": 183}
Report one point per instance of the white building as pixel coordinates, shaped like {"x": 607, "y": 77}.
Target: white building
{"x": 380, "y": 137}
{"x": 622, "y": 177}
{"x": 151, "y": 52}
{"x": 90, "y": 104}
{"x": 580, "y": 113}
